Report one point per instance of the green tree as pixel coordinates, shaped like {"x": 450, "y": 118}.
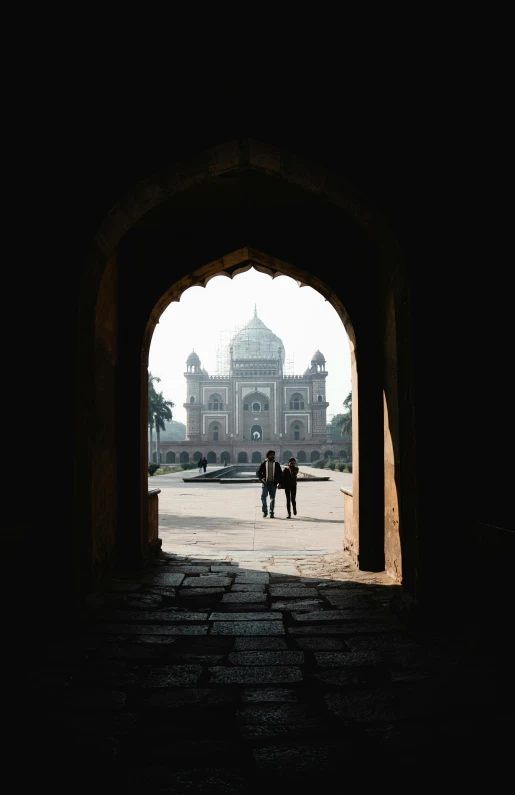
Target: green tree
{"x": 162, "y": 413}
{"x": 175, "y": 432}
{"x": 152, "y": 397}
{"x": 344, "y": 421}
{"x": 333, "y": 428}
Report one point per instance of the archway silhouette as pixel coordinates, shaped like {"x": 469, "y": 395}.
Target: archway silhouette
{"x": 124, "y": 243}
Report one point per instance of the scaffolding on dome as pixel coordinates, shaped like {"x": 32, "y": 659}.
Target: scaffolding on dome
{"x": 288, "y": 366}
{"x": 223, "y": 352}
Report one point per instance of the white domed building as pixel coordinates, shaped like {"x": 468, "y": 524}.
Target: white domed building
{"x": 254, "y": 406}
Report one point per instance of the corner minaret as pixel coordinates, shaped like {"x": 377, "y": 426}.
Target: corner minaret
{"x": 194, "y": 376}
{"x": 318, "y": 374}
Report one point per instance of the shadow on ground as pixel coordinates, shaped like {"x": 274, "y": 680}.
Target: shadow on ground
{"x": 203, "y": 675}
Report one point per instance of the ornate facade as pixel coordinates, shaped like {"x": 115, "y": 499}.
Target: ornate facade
{"x": 239, "y": 414}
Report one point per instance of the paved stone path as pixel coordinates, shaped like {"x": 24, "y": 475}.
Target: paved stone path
{"x": 197, "y": 518}
{"x": 260, "y": 672}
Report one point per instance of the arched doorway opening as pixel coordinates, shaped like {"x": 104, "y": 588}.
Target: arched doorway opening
{"x": 256, "y": 433}
{"x": 243, "y": 457}
{"x": 211, "y": 457}
{"x": 339, "y": 215}
{"x": 256, "y": 457}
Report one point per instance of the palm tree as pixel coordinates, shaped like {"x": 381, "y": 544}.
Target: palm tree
{"x": 162, "y": 413}
{"x": 344, "y": 421}
{"x": 152, "y": 397}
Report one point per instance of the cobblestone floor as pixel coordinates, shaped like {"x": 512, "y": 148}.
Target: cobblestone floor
{"x": 262, "y": 675}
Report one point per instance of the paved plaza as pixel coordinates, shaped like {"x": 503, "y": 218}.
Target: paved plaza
{"x": 252, "y": 657}
{"x": 195, "y": 518}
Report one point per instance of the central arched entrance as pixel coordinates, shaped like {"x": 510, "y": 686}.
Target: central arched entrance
{"x": 364, "y": 539}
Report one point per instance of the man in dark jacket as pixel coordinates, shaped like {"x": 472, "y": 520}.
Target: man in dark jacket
{"x": 270, "y": 475}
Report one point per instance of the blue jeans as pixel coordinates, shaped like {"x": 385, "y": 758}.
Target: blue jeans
{"x": 268, "y": 489}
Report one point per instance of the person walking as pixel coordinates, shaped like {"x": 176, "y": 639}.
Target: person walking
{"x": 200, "y": 465}
{"x": 204, "y": 462}
{"x": 270, "y": 475}
{"x": 290, "y": 486}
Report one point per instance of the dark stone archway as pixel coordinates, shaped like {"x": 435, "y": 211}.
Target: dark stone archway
{"x": 152, "y": 219}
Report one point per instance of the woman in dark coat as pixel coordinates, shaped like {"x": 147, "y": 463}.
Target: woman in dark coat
{"x": 290, "y": 486}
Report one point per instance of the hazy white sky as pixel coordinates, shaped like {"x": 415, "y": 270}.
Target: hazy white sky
{"x": 205, "y": 317}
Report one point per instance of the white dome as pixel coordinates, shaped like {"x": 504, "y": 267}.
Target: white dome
{"x": 193, "y": 358}
{"x": 255, "y": 341}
